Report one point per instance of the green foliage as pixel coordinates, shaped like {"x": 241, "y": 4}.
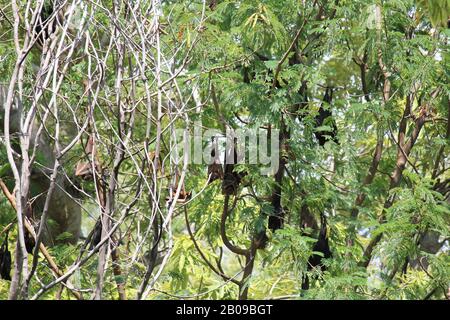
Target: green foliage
{"x": 339, "y": 46}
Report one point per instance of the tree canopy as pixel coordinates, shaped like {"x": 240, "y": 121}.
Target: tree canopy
{"x": 99, "y": 99}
